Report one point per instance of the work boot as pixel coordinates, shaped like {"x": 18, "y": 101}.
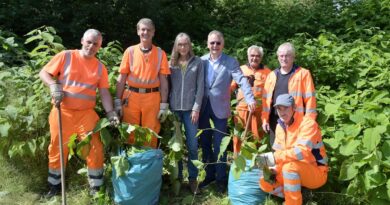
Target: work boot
{"x": 93, "y": 191}
{"x": 54, "y": 190}
{"x": 194, "y": 186}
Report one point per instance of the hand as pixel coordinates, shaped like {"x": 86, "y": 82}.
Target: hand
{"x": 118, "y": 107}
{"x": 194, "y": 116}
{"x": 113, "y": 118}
{"x": 56, "y": 93}
{"x": 265, "y": 127}
{"x": 163, "y": 113}
{"x": 266, "y": 159}
{"x": 252, "y": 107}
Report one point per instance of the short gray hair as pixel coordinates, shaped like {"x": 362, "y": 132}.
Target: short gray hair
{"x": 257, "y": 48}
{"x": 146, "y": 21}
{"x": 217, "y": 33}
{"x": 289, "y": 47}
{"x": 93, "y": 32}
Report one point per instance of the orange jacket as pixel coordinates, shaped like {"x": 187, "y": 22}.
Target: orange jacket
{"x": 80, "y": 77}
{"x": 301, "y": 141}
{"x": 260, "y": 77}
{"x": 300, "y": 86}
{"x": 143, "y": 70}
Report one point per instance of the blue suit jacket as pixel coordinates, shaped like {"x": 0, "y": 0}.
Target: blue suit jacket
{"x": 219, "y": 91}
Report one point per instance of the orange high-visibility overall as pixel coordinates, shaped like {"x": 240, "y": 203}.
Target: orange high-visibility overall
{"x": 80, "y": 77}
{"x": 143, "y": 98}
{"x": 300, "y": 86}
{"x": 260, "y": 76}
{"x": 300, "y": 158}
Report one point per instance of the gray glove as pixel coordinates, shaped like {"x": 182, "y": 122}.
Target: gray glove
{"x": 56, "y": 93}
{"x": 118, "y": 107}
{"x": 265, "y": 159}
{"x": 113, "y": 118}
{"x": 163, "y": 113}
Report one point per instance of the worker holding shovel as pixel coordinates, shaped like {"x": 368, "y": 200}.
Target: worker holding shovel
{"x": 73, "y": 77}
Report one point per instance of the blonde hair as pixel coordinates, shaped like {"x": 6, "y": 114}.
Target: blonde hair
{"x": 175, "y": 54}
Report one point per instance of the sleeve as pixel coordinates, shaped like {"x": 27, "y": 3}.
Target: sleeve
{"x": 302, "y": 149}
{"x": 124, "y": 68}
{"x": 103, "y": 82}
{"x": 239, "y": 77}
{"x": 266, "y": 107}
{"x": 164, "y": 65}
{"x": 56, "y": 64}
{"x": 309, "y": 97}
{"x": 199, "y": 87}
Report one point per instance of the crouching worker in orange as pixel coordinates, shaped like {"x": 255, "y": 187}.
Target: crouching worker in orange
{"x": 256, "y": 73}
{"x": 73, "y": 77}
{"x": 142, "y": 86}
{"x": 299, "y": 158}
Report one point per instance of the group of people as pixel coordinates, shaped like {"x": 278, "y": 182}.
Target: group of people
{"x": 199, "y": 93}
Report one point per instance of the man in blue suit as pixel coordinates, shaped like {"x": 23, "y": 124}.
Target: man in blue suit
{"x": 220, "y": 70}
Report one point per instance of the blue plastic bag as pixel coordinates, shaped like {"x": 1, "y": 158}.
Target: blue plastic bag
{"x": 141, "y": 184}
{"x": 246, "y": 189}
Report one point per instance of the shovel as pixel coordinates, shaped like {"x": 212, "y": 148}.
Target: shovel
{"x": 58, "y": 106}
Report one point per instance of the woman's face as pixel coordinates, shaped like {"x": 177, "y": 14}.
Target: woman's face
{"x": 183, "y": 46}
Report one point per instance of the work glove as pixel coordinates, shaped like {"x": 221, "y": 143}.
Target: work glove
{"x": 113, "y": 118}
{"x": 163, "y": 113}
{"x": 265, "y": 160}
{"x": 56, "y": 93}
{"x": 118, "y": 107}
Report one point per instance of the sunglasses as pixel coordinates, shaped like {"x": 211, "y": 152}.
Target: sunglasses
{"x": 215, "y": 42}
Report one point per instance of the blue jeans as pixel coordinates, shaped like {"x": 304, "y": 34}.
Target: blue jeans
{"x": 210, "y": 141}
{"x": 190, "y": 131}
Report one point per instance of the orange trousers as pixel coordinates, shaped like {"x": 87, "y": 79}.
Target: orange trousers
{"x": 254, "y": 127}
{"x": 79, "y": 122}
{"x": 290, "y": 179}
{"x": 142, "y": 109}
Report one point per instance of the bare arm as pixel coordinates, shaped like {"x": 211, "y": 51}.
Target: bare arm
{"x": 46, "y": 77}
{"x": 163, "y": 88}
{"x": 120, "y": 85}
{"x": 106, "y": 99}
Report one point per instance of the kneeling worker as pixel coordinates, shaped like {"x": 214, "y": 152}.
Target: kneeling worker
{"x": 299, "y": 157}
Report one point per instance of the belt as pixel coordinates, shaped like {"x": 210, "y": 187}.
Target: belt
{"x": 143, "y": 90}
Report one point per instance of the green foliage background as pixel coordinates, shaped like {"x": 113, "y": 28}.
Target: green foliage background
{"x": 345, "y": 44}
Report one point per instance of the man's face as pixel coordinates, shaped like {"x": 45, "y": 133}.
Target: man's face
{"x": 90, "y": 45}
{"x": 215, "y": 45}
{"x": 254, "y": 58}
{"x": 183, "y": 46}
{"x": 285, "y": 58}
{"x": 285, "y": 113}
{"x": 145, "y": 32}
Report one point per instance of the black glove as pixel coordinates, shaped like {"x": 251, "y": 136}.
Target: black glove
{"x": 251, "y": 80}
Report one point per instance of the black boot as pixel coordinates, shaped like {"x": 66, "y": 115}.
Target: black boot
{"x": 54, "y": 190}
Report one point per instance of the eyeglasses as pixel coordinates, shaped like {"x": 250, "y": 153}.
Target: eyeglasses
{"x": 215, "y": 42}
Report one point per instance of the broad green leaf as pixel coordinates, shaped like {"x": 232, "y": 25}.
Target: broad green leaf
{"x": 72, "y": 143}
{"x": 331, "y": 109}
{"x": 198, "y": 164}
{"x": 201, "y": 175}
{"x": 105, "y": 137}
{"x": 32, "y": 146}
{"x": 349, "y": 148}
{"x": 4, "y": 128}
{"x": 246, "y": 153}
{"x": 83, "y": 147}
{"x": 240, "y": 162}
{"x": 120, "y": 164}
{"x": 388, "y": 188}
{"x": 372, "y": 137}
{"x": 357, "y": 117}
{"x": 352, "y": 130}
{"x": 102, "y": 123}
{"x": 236, "y": 171}
{"x": 262, "y": 148}
{"x": 225, "y": 142}
{"x": 386, "y": 149}
{"x": 348, "y": 170}
{"x": 373, "y": 179}
{"x": 332, "y": 143}
{"x": 48, "y": 37}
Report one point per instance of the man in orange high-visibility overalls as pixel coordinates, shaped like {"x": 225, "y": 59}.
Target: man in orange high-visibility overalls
{"x": 256, "y": 72}
{"x": 299, "y": 158}
{"x": 143, "y": 70}
{"x": 291, "y": 79}
{"x": 73, "y": 77}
